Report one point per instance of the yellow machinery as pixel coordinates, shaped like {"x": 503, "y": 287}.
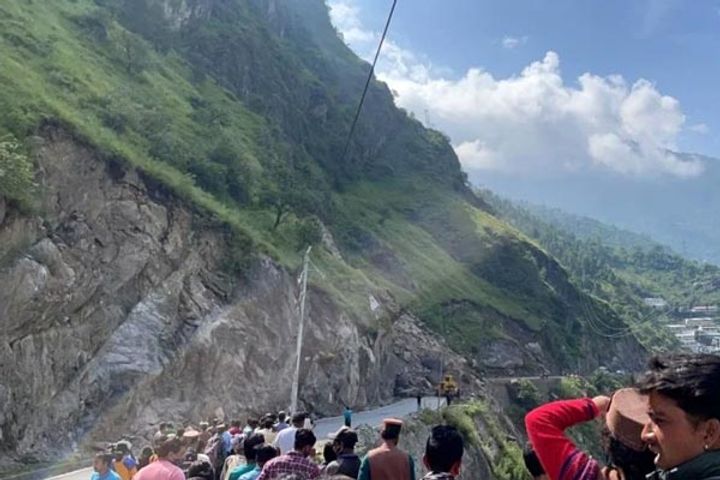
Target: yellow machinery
{"x": 448, "y": 387}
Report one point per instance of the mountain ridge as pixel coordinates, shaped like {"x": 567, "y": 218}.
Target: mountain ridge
{"x": 677, "y": 212}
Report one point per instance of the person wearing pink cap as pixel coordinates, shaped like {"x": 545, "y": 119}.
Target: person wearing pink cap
{"x": 388, "y": 462}
{"x": 629, "y": 458}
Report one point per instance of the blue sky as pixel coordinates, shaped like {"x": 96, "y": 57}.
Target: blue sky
{"x": 653, "y": 71}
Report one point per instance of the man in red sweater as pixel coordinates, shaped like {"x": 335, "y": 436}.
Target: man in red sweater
{"x": 562, "y": 460}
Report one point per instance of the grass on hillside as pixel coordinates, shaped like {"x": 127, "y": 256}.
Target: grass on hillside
{"x": 50, "y": 71}
{"x": 146, "y": 109}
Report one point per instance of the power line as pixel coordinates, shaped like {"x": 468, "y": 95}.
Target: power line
{"x": 367, "y": 82}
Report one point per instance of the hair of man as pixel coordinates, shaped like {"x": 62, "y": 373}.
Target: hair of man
{"x": 444, "y": 449}
{"x": 264, "y": 453}
{"x": 691, "y": 380}
{"x": 249, "y": 446}
{"x": 304, "y": 438}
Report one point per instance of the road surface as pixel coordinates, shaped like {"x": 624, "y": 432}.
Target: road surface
{"x": 374, "y": 417}
{"x": 325, "y": 426}
{"x": 83, "y": 474}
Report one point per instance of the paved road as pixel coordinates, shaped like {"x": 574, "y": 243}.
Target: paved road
{"x": 325, "y": 426}
{"x": 83, "y": 474}
{"x": 510, "y": 379}
{"x": 374, "y": 417}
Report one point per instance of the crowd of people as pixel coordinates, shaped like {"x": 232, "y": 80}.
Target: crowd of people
{"x": 271, "y": 449}
{"x": 667, "y": 427}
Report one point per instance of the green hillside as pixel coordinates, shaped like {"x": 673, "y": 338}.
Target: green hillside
{"x": 241, "y": 109}
{"x": 618, "y": 266}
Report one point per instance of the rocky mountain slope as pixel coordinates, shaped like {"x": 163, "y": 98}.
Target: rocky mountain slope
{"x": 186, "y": 153}
{"x": 118, "y": 310}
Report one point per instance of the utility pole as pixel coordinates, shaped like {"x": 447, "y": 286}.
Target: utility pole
{"x": 301, "y": 325}
{"x": 442, "y": 361}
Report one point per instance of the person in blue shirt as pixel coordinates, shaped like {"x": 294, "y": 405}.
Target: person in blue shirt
{"x": 101, "y": 465}
{"x": 282, "y": 423}
{"x": 263, "y": 454}
{"x": 347, "y": 414}
{"x": 226, "y": 441}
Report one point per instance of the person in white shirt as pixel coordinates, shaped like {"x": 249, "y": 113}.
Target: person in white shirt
{"x": 285, "y": 439}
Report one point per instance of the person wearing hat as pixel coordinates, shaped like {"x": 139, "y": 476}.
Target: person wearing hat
{"x": 683, "y": 430}
{"x": 628, "y": 456}
{"x": 191, "y": 438}
{"x": 347, "y": 462}
{"x": 388, "y": 462}
{"x": 124, "y": 463}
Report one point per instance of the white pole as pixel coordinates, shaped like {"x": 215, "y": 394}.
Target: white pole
{"x": 442, "y": 365}
{"x": 301, "y": 323}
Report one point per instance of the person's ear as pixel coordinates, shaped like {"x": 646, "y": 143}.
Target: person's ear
{"x": 425, "y": 462}
{"x": 455, "y": 469}
{"x": 712, "y": 434}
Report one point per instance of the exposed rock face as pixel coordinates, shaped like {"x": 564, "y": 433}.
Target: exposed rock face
{"x": 116, "y": 314}
{"x": 178, "y": 13}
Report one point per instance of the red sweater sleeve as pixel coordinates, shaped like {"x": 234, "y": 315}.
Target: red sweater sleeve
{"x": 559, "y": 456}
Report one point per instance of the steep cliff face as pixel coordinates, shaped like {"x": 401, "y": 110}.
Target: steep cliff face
{"x": 116, "y": 313}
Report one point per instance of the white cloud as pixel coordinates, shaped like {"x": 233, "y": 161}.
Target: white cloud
{"x": 534, "y": 122}
{"x": 700, "y": 128}
{"x": 477, "y": 156}
{"x": 346, "y": 18}
{"x": 513, "y": 42}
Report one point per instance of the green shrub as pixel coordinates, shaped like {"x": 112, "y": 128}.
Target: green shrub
{"x": 510, "y": 465}
{"x": 459, "y": 418}
{"x": 525, "y": 394}
{"x": 571, "y": 387}
{"x": 309, "y": 232}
